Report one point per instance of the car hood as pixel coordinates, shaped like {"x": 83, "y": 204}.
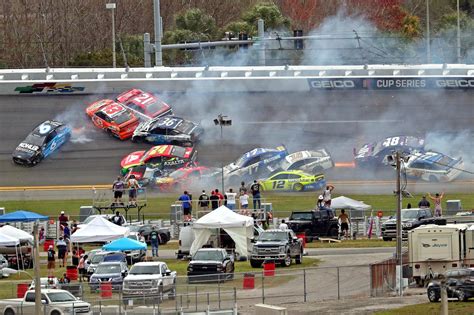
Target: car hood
{"x": 205, "y": 262}
{"x": 299, "y": 222}
{"x": 270, "y": 243}
{"x": 132, "y": 159}
{"x": 142, "y": 277}
{"x": 394, "y": 221}
{"x": 106, "y": 275}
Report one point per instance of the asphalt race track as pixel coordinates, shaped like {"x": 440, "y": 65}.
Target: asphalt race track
{"x": 337, "y": 120}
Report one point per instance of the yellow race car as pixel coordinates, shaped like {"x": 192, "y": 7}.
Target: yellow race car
{"x": 293, "y": 181}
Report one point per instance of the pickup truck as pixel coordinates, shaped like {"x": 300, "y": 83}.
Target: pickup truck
{"x": 280, "y": 246}
{"x": 314, "y": 223}
{"x": 55, "y": 302}
{"x": 149, "y": 280}
{"x": 411, "y": 218}
{"x": 211, "y": 264}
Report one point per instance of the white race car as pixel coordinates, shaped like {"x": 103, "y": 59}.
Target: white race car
{"x": 312, "y": 162}
{"x": 433, "y": 166}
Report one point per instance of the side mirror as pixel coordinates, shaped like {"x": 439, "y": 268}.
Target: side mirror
{"x": 295, "y": 239}
{"x": 422, "y": 217}
{"x": 43, "y": 301}
{"x": 252, "y": 240}
{"x": 168, "y": 272}
{"x": 88, "y": 262}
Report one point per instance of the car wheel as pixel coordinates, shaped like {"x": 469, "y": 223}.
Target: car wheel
{"x": 298, "y": 187}
{"x": 333, "y": 232}
{"x": 9, "y": 311}
{"x": 309, "y": 236}
{"x": 164, "y": 238}
{"x": 287, "y": 261}
{"x": 55, "y": 313}
{"x": 461, "y": 295}
{"x": 433, "y": 296}
{"x": 433, "y": 179}
{"x": 299, "y": 258}
{"x": 255, "y": 263}
{"x": 387, "y": 239}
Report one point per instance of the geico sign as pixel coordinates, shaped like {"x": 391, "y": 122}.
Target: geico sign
{"x": 455, "y": 83}
{"x": 332, "y": 84}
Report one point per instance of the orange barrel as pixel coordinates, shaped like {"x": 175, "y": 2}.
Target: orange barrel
{"x": 249, "y": 281}
{"x": 71, "y": 272}
{"x": 269, "y": 268}
{"x": 303, "y": 237}
{"x": 106, "y": 290}
{"x": 47, "y": 243}
{"x": 21, "y": 289}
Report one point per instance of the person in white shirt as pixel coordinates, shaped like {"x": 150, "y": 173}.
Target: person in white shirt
{"x": 231, "y": 199}
{"x": 244, "y": 202}
{"x": 327, "y": 195}
{"x": 283, "y": 225}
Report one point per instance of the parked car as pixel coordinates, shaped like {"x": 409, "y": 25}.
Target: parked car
{"x": 459, "y": 284}
{"x": 46, "y": 283}
{"x": 103, "y": 256}
{"x": 280, "y": 246}
{"x": 314, "y": 223}
{"x": 211, "y": 264}
{"x": 113, "y": 272}
{"x": 145, "y": 230}
{"x": 134, "y": 256}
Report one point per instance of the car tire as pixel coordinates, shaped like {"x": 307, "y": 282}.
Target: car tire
{"x": 461, "y": 296}
{"x": 333, "y": 232}
{"x": 164, "y": 238}
{"x": 9, "y": 311}
{"x": 309, "y": 235}
{"x": 433, "y": 296}
{"x": 55, "y": 313}
{"x": 387, "y": 239}
{"x": 298, "y": 187}
{"x": 299, "y": 258}
{"x": 287, "y": 261}
{"x": 255, "y": 263}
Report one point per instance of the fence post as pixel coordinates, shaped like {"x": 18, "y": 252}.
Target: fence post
{"x": 219, "y": 290}
{"x": 208, "y": 307}
{"x": 235, "y": 301}
{"x": 338, "y": 292}
{"x": 370, "y": 281}
{"x": 304, "y": 284}
{"x": 120, "y": 302}
{"x": 263, "y": 288}
{"x": 196, "y": 293}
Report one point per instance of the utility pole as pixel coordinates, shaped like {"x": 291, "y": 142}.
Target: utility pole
{"x": 399, "y": 225}
{"x": 428, "y": 36}
{"x": 38, "y": 303}
{"x": 459, "y": 33}
{"x": 111, "y": 7}
{"x": 158, "y": 28}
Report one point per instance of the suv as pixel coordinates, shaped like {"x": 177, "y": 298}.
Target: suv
{"x": 112, "y": 272}
{"x": 103, "y": 256}
{"x": 314, "y": 223}
{"x": 278, "y": 245}
{"x": 411, "y": 218}
{"x": 135, "y": 255}
{"x": 211, "y": 264}
{"x": 149, "y": 279}
{"x": 459, "y": 284}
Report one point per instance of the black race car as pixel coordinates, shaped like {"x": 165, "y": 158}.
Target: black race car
{"x": 41, "y": 142}
{"x": 168, "y": 130}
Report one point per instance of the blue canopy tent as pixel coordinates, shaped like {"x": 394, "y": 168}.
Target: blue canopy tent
{"x": 123, "y": 244}
{"x": 22, "y": 216}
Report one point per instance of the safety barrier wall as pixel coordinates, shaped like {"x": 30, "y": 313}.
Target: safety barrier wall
{"x": 237, "y": 79}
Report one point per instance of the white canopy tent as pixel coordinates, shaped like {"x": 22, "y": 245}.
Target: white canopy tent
{"x": 16, "y": 233}
{"x": 239, "y": 228}
{"x": 343, "y": 202}
{"x": 7, "y": 240}
{"x": 99, "y": 230}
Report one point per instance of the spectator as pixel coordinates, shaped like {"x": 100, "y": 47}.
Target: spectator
{"x": 242, "y": 188}
{"x": 65, "y": 279}
{"x": 283, "y": 225}
{"x": 424, "y": 203}
{"x": 409, "y": 206}
{"x": 133, "y": 186}
{"x": 63, "y": 219}
{"x": 41, "y": 236}
{"x": 155, "y": 241}
{"x": 62, "y": 250}
{"x": 186, "y": 203}
{"x": 327, "y": 195}
{"x": 320, "y": 203}
{"x": 244, "y": 202}
{"x": 51, "y": 261}
{"x": 75, "y": 258}
{"x": 255, "y": 189}
{"x": 231, "y": 199}
{"x": 203, "y": 201}
{"x": 67, "y": 233}
{"x": 214, "y": 200}
{"x": 221, "y": 197}
{"x": 81, "y": 267}
{"x": 118, "y": 219}
{"x": 118, "y": 188}
{"x": 437, "y": 202}
{"x": 74, "y": 227}
{"x": 141, "y": 237}
{"x": 344, "y": 221}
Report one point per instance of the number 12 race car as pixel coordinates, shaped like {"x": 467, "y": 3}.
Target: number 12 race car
{"x": 41, "y": 142}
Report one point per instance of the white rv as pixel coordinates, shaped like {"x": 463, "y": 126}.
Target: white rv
{"x": 433, "y": 249}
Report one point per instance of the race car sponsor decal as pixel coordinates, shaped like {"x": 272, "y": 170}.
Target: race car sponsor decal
{"x": 50, "y": 87}
{"x": 26, "y": 147}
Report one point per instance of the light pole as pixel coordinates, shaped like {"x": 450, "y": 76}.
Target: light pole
{"x": 459, "y": 32}
{"x": 428, "y": 39}
{"x": 111, "y": 7}
{"x": 222, "y": 121}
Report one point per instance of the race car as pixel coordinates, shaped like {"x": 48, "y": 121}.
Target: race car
{"x": 433, "y": 166}
{"x": 293, "y": 180}
{"x": 117, "y": 120}
{"x": 168, "y": 130}
{"x": 145, "y": 105}
{"x": 183, "y": 178}
{"x": 313, "y": 162}
{"x": 256, "y": 163}
{"x": 374, "y": 154}
{"x": 160, "y": 157}
{"x": 41, "y": 142}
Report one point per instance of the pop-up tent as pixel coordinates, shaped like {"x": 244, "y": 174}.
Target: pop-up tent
{"x": 16, "y": 233}
{"x": 22, "y": 216}
{"x": 238, "y": 227}
{"x": 7, "y": 240}
{"x": 343, "y": 202}
{"x": 123, "y": 244}
{"x": 99, "y": 230}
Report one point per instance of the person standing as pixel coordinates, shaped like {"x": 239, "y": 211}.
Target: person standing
{"x": 214, "y": 200}
{"x": 344, "y": 220}
{"x": 255, "y": 189}
{"x": 231, "y": 199}
{"x": 51, "y": 261}
{"x": 424, "y": 203}
{"x": 118, "y": 219}
{"x": 81, "y": 267}
{"x": 437, "y": 199}
{"x": 155, "y": 241}
{"x": 242, "y": 188}
{"x": 63, "y": 219}
{"x": 244, "y": 202}
{"x": 118, "y": 187}
{"x": 203, "y": 201}
{"x": 320, "y": 203}
{"x": 221, "y": 197}
{"x": 41, "y": 236}
{"x": 283, "y": 226}
{"x": 133, "y": 186}
{"x": 327, "y": 195}
{"x": 186, "y": 203}
{"x": 62, "y": 250}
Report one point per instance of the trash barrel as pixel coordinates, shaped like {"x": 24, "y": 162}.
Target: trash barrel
{"x": 21, "y": 289}
{"x": 47, "y": 243}
{"x": 303, "y": 237}
{"x": 249, "y": 281}
{"x": 268, "y": 268}
{"x": 71, "y": 272}
{"x": 106, "y": 290}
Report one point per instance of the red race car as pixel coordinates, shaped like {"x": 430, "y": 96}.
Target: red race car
{"x": 183, "y": 178}
{"x": 144, "y": 103}
{"x": 114, "y": 118}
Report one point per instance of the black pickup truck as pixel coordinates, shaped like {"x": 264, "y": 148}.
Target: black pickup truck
{"x": 411, "y": 218}
{"x": 314, "y": 223}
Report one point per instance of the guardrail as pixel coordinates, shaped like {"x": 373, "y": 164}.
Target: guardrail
{"x": 236, "y": 79}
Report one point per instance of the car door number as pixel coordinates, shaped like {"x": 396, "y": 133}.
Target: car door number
{"x": 391, "y": 142}
{"x": 167, "y": 122}
{"x": 280, "y": 184}
{"x": 144, "y": 99}
{"x": 44, "y": 128}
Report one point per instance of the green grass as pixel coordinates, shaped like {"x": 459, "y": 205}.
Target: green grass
{"x": 351, "y": 244}
{"x": 455, "y": 308}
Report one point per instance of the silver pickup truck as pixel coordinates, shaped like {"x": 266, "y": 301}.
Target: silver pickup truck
{"x": 55, "y": 302}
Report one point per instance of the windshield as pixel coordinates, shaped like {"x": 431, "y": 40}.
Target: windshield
{"x": 145, "y": 270}
{"x": 97, "y": 258}
{"x": 178, "y": 151}
{"x": 61, "y": 297}
{"x": 208, "y": 255}
{"x": 409, "y": 214}
{"x": 301, "y": 216}
{"x": 133, "y": 237}
{"x": 185, "y": 126}
{"x": 35, "y": 140}
{"x": 104, "y": 269}
{"x": 273, "y": 236}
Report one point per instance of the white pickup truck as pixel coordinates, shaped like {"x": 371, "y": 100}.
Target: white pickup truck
{"x": 55, "y": 302}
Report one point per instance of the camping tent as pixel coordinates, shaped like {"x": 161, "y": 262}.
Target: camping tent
{"x": 239, "y": 228}
{"x": 343, "y": 202}
{"x": 124, "y": 243}
{"x": 16, "y": 233}
{"x": 22, "y": 216}
{"x": 99, "y": 230}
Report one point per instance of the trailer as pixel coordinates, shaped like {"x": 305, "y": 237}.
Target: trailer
{"x": 433, "y": 249}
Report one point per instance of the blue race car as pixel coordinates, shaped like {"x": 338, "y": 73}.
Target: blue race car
{"x": 41, "y": 142}
{"x": 168, "y": 130}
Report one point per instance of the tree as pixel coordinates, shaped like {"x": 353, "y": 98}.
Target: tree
{"x": 270, "y": 14}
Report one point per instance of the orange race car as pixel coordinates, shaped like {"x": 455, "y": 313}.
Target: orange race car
{"x": 117, "y": 120}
